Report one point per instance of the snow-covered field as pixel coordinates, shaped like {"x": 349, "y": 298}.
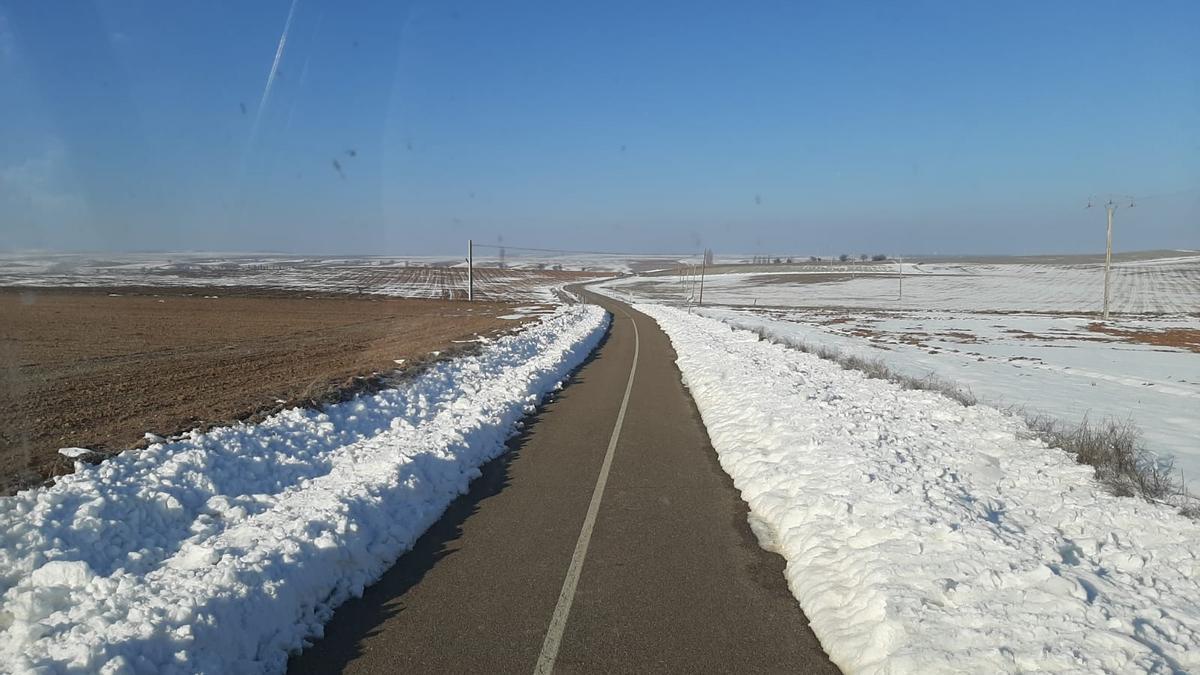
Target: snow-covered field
{"x": 923, "y": 536}
{"x": 1014, "y": 334}
{"x": 1054, "y": 365}
{"x": 1159, "y": 286}
{"x": 408, "y": 277}
{"x": 222, "y": 551}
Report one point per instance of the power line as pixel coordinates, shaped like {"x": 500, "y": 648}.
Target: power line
{"x": 1112, "y": 199}
{"x": 1163, "y": 195}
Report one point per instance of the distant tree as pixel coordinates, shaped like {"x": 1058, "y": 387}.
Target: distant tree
{"x": 878, "y": 257}
{"x": 843, "y": 257}
{"x": 863, "y": 257}
{"x": 813, "y": 258}
{"x": 789, "y": 260}
{"x": 777, "y": 261}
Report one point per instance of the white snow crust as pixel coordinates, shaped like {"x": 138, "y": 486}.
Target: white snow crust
{"x": 224, "y": 551}
{"x": 922, "y": 536}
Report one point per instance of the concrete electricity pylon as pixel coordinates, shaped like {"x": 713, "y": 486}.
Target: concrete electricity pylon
{"x": 1110, "y": 207}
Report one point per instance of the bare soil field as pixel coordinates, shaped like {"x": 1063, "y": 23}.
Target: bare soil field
{"x": 1181, "y": 338}
{"x": 99, "y": 368}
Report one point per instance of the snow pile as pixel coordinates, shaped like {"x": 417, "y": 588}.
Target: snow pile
{"x": 225, "y": 550}
{"x": 922, "y": 536}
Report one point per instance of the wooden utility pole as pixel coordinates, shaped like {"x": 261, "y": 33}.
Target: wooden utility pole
{"x": 703, "y": 265}
{"x": 470, "y": 270}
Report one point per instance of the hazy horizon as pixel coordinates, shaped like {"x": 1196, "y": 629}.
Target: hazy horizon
{"x": 490, "y": 252}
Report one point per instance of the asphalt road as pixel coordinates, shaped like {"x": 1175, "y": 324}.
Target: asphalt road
{"x": 671, "y": 578}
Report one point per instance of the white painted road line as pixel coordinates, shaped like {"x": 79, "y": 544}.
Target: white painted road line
{"x": 558, "y": 622}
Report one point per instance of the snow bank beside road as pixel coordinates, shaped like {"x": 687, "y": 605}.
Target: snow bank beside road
{"x": 922, "y": 536}
{"x": 222, "y": 552}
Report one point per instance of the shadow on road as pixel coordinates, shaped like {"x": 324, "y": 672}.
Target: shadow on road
{"x": 359, "y": 619}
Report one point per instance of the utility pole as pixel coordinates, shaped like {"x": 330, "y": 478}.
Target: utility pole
{"x": 1110, "y": 207}
{"x": 901, "y": 277}
{"x": 703, "y": 265}
{"x": 470, "y": 270}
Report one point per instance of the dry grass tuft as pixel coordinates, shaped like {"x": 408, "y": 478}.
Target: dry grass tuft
{"x": 1121, "y": 462}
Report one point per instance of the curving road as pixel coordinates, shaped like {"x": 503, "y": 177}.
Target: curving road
{"x": 607, "y": 540}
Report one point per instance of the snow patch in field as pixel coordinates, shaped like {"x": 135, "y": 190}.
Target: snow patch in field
{"x": 223, "y": 551}
{"x": 922, "y": 536}
{"x": 74, "y": 453}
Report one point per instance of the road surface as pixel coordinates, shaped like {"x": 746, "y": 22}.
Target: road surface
{"x": 608, "y": 539}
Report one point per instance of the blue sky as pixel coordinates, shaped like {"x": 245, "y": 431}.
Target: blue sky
{"x": 798, "y": 127}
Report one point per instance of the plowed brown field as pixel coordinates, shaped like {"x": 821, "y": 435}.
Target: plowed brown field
{"x": 99, "y": 368}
